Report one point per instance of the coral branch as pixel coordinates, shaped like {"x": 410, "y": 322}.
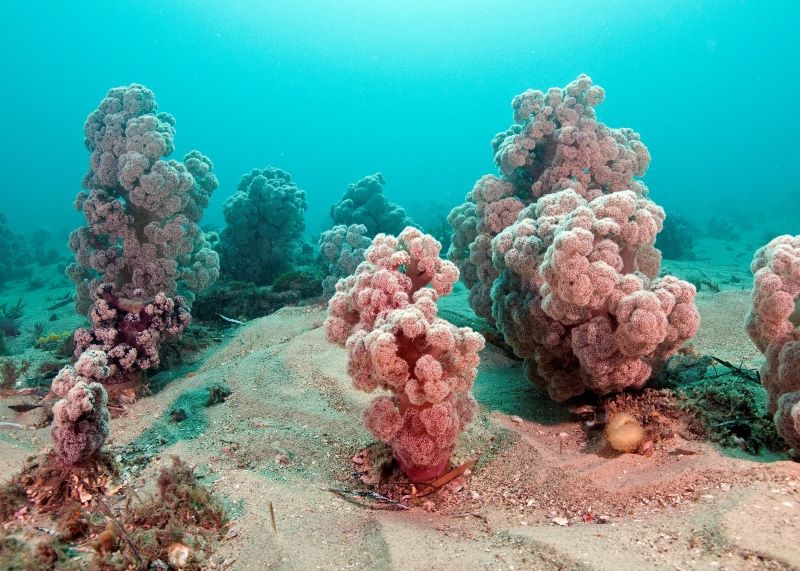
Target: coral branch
{"x": 130, "y": 331}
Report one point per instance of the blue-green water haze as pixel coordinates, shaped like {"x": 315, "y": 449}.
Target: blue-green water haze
{"x": 332, "y": 91}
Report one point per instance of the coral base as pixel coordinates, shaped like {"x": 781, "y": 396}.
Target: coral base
{"x": 424, "y": 473}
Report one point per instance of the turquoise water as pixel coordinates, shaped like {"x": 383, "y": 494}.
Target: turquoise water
{"x": 332, "y": 91}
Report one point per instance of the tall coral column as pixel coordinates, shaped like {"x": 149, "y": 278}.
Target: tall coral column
{"x": 142, "y": 210}
{"x": 141, "y": 256}
{"x": 385, "y": 315}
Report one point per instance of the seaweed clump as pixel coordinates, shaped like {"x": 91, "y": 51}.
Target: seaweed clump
{"x": 11, "y": 372}
{"x": 9, "y": 318}
{"x": 305, "y": 281}
{"x": 240, "y": 301}
{"x": 174, "y": 528}
{"x": 728, "y": 402}
{"x": 51, "y": 485}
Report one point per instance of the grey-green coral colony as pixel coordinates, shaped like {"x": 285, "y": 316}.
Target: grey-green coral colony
{"x": 365, "y": 203}
{"x": 265, "y": 220}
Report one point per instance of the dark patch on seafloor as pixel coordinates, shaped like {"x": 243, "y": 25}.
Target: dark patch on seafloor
{"x": 244, "y": 300}
{"x": 166, "y": 431}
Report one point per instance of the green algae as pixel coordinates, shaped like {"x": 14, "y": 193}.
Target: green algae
{"x": 729, "y": 403}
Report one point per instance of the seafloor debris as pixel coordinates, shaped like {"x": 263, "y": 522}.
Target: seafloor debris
{"x": 103, "y": 525}
{"x": 624, "y": 433}
{"x": 724, "y": 402}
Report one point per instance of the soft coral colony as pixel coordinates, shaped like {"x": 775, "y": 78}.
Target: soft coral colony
{"x": 141, "y": 247}
{"x": 774, "y": 326}
{"x": 557, "y": 252}
{"x": 385, "y": 314}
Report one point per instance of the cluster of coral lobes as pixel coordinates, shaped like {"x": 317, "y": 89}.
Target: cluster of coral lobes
{"x": 555, "y": 255}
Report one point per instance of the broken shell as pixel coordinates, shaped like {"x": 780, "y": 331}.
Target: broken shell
{"x": 646, "y": 449}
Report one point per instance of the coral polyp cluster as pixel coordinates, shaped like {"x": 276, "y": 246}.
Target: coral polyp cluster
{"x": 341, "y": 249}
{"x": 141, "y": 209}
{"x": 80, "y": 418}
{"x": 578, "y": 298}
{"x": 130, "y": 331}
{"x": 773, "y": 324}
{"x": 558, "y": 252}
{"x": 385, "y": 314}
{"x": 363, "y": 202}
{"x": 265, "y": 221}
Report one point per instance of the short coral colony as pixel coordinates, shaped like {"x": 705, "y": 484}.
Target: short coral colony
{"x": 579, "y": 365}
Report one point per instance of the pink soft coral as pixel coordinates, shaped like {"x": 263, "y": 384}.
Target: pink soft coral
{"x": 142, "y": 210}
{"x": 556, "y": 143}
{"x": 385, "y": 314}
{"x": 130, "y": 331}
{"x": 80, "y": 418}
{"x": 577, "y": 296}
{"x": 558, "y": 251}
{"x": 773, "y": 324}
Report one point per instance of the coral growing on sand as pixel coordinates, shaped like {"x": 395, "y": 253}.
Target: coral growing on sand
{"x": 774, "y": 326}
{"x": 364, "y": 203}
{"x": 341, "y": 249}
{"x": 386, "y": 317}
{"x": 80, "y": 418}
{"x": 265, "y": 221}
{"x": 141, "y": 209}
{"x": 558, "y": 251}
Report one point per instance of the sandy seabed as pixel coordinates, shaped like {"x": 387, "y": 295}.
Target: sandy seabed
{"x": 544, "y": 493}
